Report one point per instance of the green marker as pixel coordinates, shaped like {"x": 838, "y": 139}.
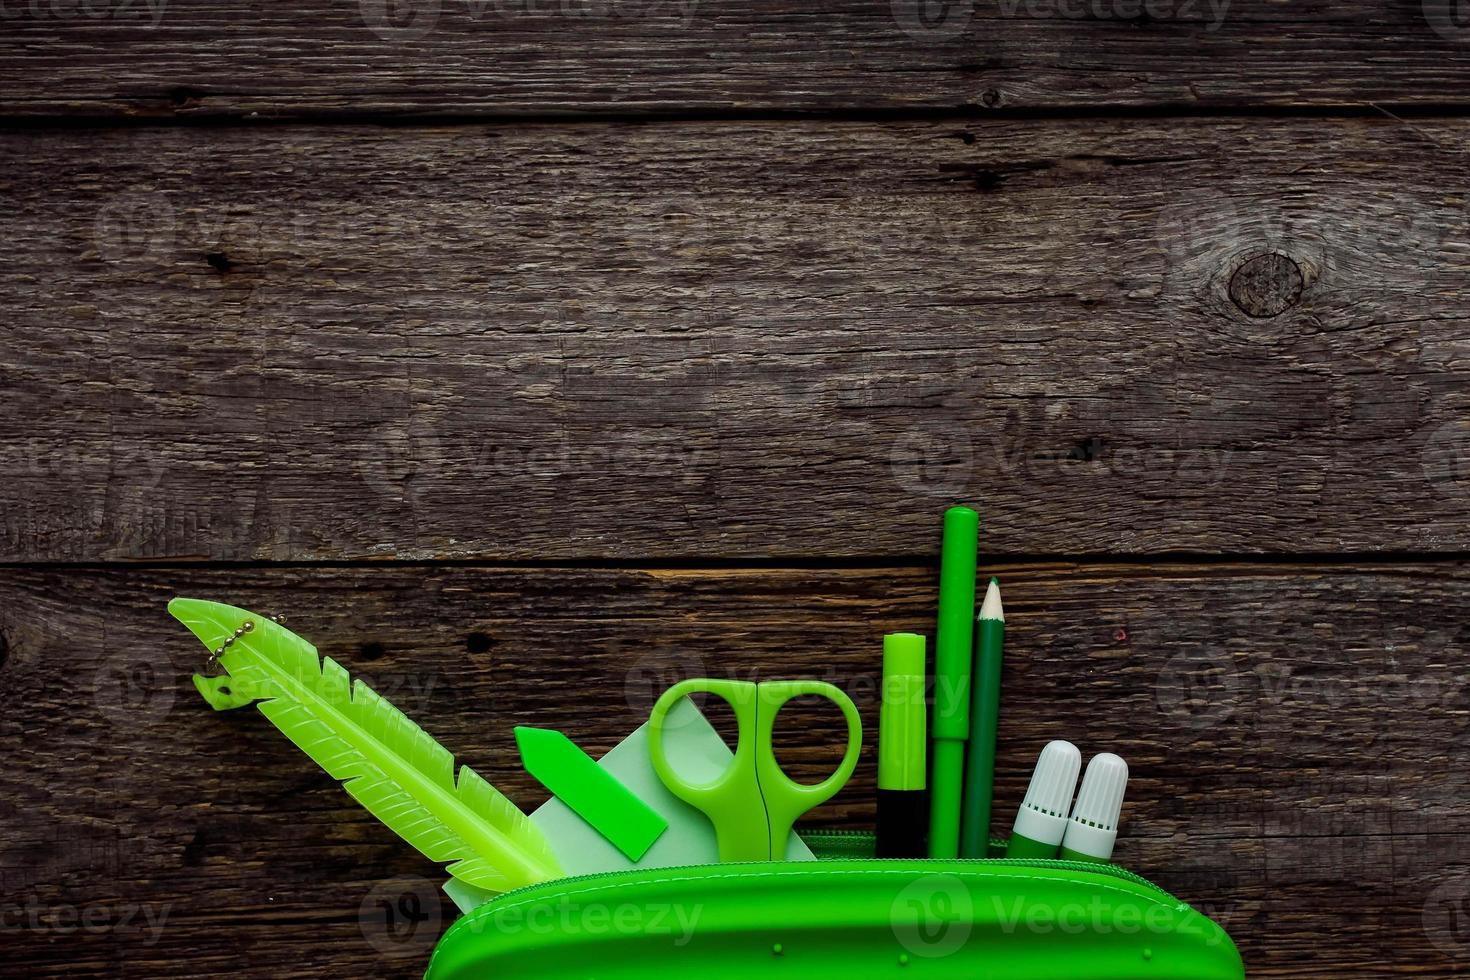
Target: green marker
{"x": 901, "y": 755}
{"x": 1093, "y": 827}
{"x": 1042, "y": 820}
{"x": 952, "y": 677}
{"x": 984, "y": 714}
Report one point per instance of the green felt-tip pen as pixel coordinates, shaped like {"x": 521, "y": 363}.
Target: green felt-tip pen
{"x": 952, "y": 678}
{"x": 1042, "y": 820}
{"x": 901, "y": 750}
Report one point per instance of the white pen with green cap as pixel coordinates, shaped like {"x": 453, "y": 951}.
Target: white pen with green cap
{"x": 1042, "y": 820}
{"x": 1093, "y": 828}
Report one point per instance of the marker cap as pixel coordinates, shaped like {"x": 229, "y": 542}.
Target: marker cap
{"x": 1093, "y": 828}
{"x": 1043, "y": 814}
{"x": 956, "y": 625}
{"x": 902, "y": 717}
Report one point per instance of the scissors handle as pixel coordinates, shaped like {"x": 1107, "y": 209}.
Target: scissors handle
{"x": 732, "y": 800}
{"x": 785, "y": 798}
{"x": 753, "y": 803}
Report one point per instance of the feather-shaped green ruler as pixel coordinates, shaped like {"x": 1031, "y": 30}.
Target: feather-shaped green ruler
{"x": 388, "y": 764}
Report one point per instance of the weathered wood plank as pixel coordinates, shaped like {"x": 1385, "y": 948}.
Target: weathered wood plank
{"x": 794, "y": 339}
{"x": 1296, "y": 737}
{"x": 131, "y": 58}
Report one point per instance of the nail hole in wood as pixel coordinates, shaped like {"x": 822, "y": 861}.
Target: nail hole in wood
{"x": 477, "y": 643}
{"x": 371, "y": 650}
{"x": 1266, "y": 285}
{"x": 218, "y": 261}
{"x": 183, "y": 95}
{"x": 990, "y": 98}
{"x": 194, "y": 851}
{"x": 988, "y": 180}
{"x": 1088, "y": 450}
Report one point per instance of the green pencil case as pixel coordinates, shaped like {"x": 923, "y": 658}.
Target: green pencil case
{"x": 847, "y": 916}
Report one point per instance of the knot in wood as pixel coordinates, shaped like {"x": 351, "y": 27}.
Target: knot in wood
{"x": 1266, "y": 285}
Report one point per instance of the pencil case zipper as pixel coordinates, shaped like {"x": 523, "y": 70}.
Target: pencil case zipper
{"x": 838, "y": 844}
{"x": 862, "y": 844}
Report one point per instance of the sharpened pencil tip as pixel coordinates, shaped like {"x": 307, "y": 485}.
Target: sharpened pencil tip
{"x": 991, "y": 607}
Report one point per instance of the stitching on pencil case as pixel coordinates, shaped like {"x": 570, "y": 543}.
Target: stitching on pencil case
{"x": 866, "y": 872}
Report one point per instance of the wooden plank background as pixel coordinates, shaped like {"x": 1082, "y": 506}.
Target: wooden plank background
{"x": 532, "y": 356}
{"x": 189, "y": 58}
{"x": 622, "y": 332}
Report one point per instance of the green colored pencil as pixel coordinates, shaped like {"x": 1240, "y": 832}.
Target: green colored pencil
{"x": 984, "y": 714}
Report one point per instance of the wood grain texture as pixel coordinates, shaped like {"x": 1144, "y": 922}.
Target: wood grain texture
{"x": 189, "y": 58}
{"x": 772, "y": 339}
{"x": 1295, "y": 734}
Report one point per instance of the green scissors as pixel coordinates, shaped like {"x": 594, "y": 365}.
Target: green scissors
{"x": 753, "y": 803}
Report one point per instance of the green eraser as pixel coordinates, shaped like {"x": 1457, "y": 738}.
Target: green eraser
{"x": 590, "y": 790}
